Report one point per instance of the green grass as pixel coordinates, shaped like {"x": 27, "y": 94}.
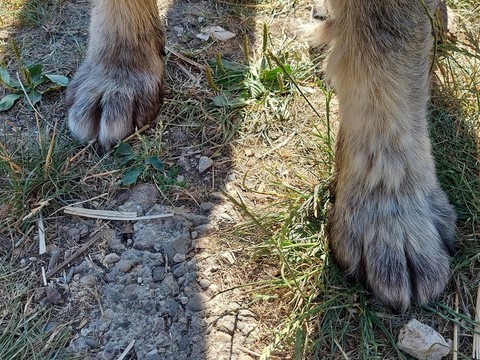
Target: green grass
{"x": 27, "y": 331}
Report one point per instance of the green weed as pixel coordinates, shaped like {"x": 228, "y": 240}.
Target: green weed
{"x": 141, "y": 165}
{"x": 31, "y": 83}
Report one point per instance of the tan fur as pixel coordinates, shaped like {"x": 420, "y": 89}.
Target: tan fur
{"x": 391, "y": 225}
{"x": 120, "y": 84}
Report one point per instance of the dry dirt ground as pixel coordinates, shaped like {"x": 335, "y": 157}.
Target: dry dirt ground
{"x": 166, "y": 288}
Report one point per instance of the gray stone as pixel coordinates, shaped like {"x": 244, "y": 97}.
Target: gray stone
{"x": 116, "y": 244}
{"x": 226, "y": 324}
{"x": 131, "y": 291}
{"x": 204, "y": 283}
{"x": 84, "y": 229}
{"x": 91, "y": 342}
{"x": 111, "y": 258}
{"x": 179, "y": 270}
{"x": 73, "y": 233}
{"x": 153, "y": 355}
{"x": 148, "y": 307}
{"x": 169, "y": 307}
{"x": 178, "y": 258}
{"x": 204, "y": 163}
{"x": 196, "y": 302}
{"x": 183, "y": 300}
{"x": 207, "y": 206}
{"x": 54, "y": 257}
{"x": 125, "y": 265}
{"x": 88, "y": 280}
{"x": 53, "y": 296}
{"x": 141, "y": 198}
{"x": 169, "y": 286}
{"x": 422, "y": 342}
{"x": 158, "y": 273}
{"x": 205, "y": 229}
{"x": 109, "y": 313}
{"x": 182, "y": 244}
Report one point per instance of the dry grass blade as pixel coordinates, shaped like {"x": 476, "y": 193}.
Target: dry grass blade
{"x": 111, "y": 215}
{"x": 94, "y": 239}
{"x": 455, "y": 333}
{"x": 476, "y": 334}
{"x": 127, "y": 350}
{"x": 184, "y": 58}
{"x": 48, "y": 159}
{"x": 42, "y": 247}
{"x": 5, "y": 156}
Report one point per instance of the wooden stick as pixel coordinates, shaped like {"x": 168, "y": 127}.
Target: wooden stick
{"x": 77, "y": 253}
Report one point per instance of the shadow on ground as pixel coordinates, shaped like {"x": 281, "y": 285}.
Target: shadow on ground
{"x": 151, "y": 289}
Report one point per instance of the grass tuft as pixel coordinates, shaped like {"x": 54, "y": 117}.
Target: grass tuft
{"x": 27, "y": 331}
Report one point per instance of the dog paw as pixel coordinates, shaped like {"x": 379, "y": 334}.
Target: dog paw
{"x": 399, "y": 245}
{"x": 107, "y": 103}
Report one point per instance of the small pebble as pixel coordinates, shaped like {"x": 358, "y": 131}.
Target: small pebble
{"x": 88, "y": 279}
{"x": 92, "y": 342}
{"x": 111, "y": 258}
{"x": 52, "y": 295}
{"x": 158, "y": 273}
{"x": 207, "y": 206}
{"x": 204, "y": 163}
{"x": 204, "y": 283}
{"x": 84, "y": 229}
{"x": 109, "y": 313}
{"x": 125, "y": 265}
{"x": 196, "y": 302}
{"x": 179, "y": 258}
{"x": 55, "y": 256}
{"x": 73, "y": 233}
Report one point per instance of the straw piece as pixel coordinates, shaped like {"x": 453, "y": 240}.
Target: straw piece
{"x": 111, "y": 215}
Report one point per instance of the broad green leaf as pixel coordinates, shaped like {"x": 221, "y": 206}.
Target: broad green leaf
{"x": 271, "y": 75}
{"x": 131, "y": 176}
{"x": 7, "y": 80}
{"x": 124, "y": 149}
{"x": 35, "y": 72}
{"x": 34, "y": 96}
{"x": 8, "y": 101}
{"x": 57, "y": 79}
{"x": 155, "y": 162}
{"x": 5, "y": 76}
